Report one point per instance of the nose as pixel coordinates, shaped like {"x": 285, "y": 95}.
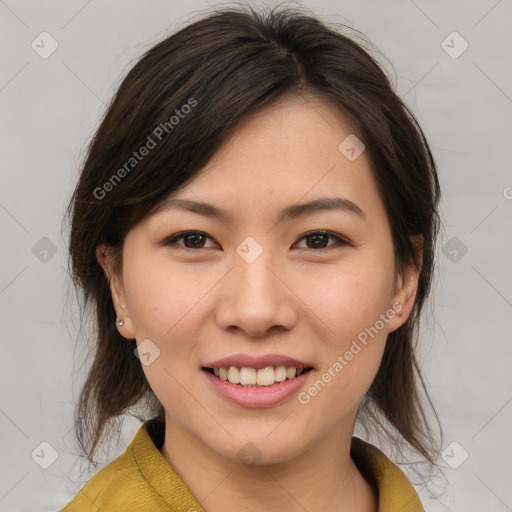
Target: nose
{"x": 256, "y": 298}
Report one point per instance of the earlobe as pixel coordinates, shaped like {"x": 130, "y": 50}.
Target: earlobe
{"x": 104, "y": 255}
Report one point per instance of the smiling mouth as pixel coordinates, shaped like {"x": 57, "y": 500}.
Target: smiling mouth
{"x": 262, "y": 377}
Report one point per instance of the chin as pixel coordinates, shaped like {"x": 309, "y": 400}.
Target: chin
{"x": 257, "y": 447}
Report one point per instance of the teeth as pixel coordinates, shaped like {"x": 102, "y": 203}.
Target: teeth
{"x": 280, "y": 374}
{"x": 247, "y": 376}
{"x": 265, "y": 376}
{"x": 233, "y": 375}
{"x": 290, "y": 372}
{"x": 253, "y": 377}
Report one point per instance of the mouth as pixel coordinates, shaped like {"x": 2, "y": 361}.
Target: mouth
{"x": 257, "y": 377}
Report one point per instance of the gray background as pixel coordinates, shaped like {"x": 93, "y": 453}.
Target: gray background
{"x": 50, "y": 108}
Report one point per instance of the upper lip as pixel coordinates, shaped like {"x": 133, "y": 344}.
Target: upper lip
{"x": 245, "y": 360}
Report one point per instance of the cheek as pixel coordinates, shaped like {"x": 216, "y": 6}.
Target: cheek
{"x": 164, "y": 303}
{"x": 354, "y": 339}
{"x": 346, "y": 300}
{"x": 352, "y": 310}
{"x": 162, "y": 300}
{"x": 334, "y": 395}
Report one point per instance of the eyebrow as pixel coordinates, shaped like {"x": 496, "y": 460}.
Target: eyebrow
{"x": 288, "y": 213}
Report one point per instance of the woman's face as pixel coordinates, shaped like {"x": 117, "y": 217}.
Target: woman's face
{"x": 257, "y": 289}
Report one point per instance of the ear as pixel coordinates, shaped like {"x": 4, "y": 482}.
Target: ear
{"x": 406, "y": 287}
{"x": 105, "y": 255}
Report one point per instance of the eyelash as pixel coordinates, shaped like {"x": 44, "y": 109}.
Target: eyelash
{"x": 178, "y": 236}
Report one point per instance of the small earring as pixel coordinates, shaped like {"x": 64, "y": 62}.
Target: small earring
{"x": 120, "y": 323}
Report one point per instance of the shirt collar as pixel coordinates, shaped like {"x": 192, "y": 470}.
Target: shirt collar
{"x": 394, "y": 490}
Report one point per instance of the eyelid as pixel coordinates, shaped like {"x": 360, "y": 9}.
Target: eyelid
{"x": 177, "y": 236}
{"x": 341, "y": 241}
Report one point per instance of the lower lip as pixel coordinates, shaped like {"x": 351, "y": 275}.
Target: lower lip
{"x": 263, "y": 396}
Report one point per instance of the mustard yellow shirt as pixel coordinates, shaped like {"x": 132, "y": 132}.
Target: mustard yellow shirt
{"x": 142, "y": 480}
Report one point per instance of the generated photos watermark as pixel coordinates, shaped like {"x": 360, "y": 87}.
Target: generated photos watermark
{"x": 156, "y": 136}
{"x": 343, "y": 360}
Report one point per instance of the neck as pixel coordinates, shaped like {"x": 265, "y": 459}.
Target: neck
{"x": 322, "y": 478}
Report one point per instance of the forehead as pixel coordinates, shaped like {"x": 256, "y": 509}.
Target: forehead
{"x": 289, "y": 152}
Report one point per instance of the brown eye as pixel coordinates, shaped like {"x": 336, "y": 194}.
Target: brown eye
{"x": 315, "y": 240}
{"x": 320, "y": 240}
{"x": 191, "y": 240}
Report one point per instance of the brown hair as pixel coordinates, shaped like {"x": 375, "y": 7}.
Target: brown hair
{"x": 225, "y": 66}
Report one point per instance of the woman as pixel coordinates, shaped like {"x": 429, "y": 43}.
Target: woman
{"x": 254, "y": 227}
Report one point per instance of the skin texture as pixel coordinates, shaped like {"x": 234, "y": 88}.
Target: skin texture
{"x": 200, "y": 304}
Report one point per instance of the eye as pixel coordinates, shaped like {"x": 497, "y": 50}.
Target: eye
{"x": 196, "y": 240}
{"x": 192, "y": 240}
{"x": 320, "y": 237}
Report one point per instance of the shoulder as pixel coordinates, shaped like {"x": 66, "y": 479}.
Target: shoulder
{"x": 121, "y": 482}
{"x": 394, "y": 489}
